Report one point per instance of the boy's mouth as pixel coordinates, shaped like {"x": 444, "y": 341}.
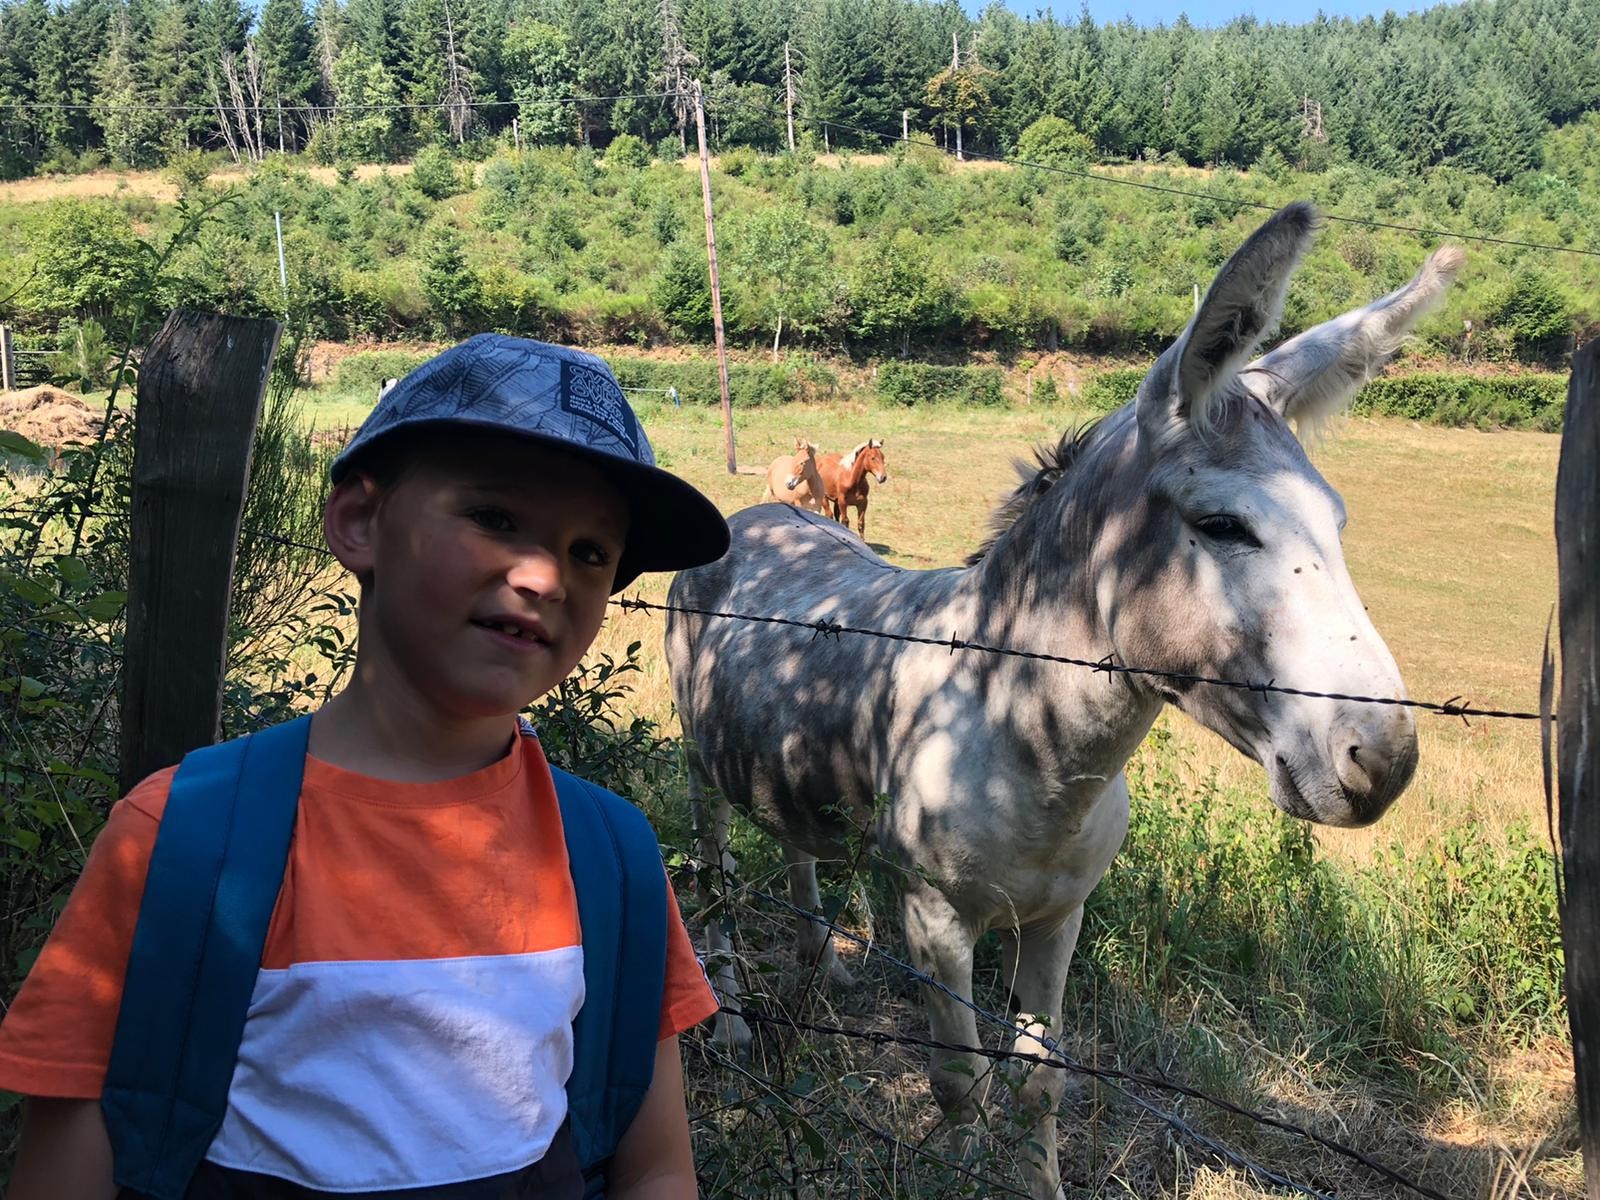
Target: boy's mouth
{"x": 529, "y": 633}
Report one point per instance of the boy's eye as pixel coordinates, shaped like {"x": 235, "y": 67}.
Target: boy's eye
{"x": 495, "y": 520}
{"x": 591, "y": 553}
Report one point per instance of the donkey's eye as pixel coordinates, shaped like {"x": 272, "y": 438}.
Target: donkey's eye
{"x": 1220, "y": 527}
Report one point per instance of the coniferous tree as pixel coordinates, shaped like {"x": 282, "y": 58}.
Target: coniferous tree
{"x": 288, "y": 69}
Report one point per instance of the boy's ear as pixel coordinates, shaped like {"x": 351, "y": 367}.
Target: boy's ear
{"x": 349, "y": 523}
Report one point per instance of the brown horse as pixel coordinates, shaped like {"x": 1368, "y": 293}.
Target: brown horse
{"x": 845, "y": 481}
{"x": 794, "y": 478}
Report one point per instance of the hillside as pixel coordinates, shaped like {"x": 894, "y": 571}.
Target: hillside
{"x": 901, "y": 254}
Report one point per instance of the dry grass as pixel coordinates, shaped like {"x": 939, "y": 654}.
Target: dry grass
{"x": 153, "y": 184}
{"x": 1449, "y": 543}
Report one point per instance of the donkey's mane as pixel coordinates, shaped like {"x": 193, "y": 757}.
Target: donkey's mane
{"x": 849, "y": 460}
{"x": 1049, "y": 464}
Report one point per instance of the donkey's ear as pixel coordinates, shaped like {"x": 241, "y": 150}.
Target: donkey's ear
{"x": 1240, "y": 310}
{"x": 1315, "y": 374}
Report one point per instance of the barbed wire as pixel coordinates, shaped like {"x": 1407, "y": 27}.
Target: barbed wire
{"x": 881, "y": 1037}
{"x": 889, "y": 137}
{"x": 1454, "y": 707}
{"x": 882, "y": 1135}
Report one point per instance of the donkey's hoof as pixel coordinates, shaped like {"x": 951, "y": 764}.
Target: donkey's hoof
{"x": 732, "y": 1034}
{"x": 839, "y": 975}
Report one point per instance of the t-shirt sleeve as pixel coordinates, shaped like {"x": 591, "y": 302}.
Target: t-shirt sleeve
{"x": 687, "y": 999}
{"x": 56, "y": 1038}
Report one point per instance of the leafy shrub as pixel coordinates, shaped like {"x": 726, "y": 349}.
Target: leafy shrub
{"x": 89, "y": 260}
{"x": 365, "y": 372}
{"x": 628, "y": 153}
{"x": 1534, "y": 315}
{"x": 435, "y": 173}
{"x": 749, "y": 385}
{"x": 1045, "y": 391}
{"x": 1053, "y": 142}
{"x": 1108, "y": 390}
{"x": 1496, "y": 401}
{"x": 922, "y": 383}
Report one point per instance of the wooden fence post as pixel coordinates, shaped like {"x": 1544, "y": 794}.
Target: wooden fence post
{"x": 1578, "y": 737}
{"x": 200, "y": 389}
{"x": 8, "y": 360}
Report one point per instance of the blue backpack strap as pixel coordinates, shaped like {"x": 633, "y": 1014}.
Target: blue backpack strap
{"x": 622, "y": 911}
{"x": 214, "y": 878}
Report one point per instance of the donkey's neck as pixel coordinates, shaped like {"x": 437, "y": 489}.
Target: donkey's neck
{"x": 857, "y": 471}
{"x": 1036, "y": 591}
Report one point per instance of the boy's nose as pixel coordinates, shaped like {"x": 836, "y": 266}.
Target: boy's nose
{"x": 539, "y": 573}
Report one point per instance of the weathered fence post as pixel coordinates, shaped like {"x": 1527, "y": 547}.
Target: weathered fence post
{"x": 8, "y": 360}
{"x": 1578, "y": 734}
{"x": 200, "y": 389}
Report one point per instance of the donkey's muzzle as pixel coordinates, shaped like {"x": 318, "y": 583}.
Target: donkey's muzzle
{"x": 1374, "y": 755}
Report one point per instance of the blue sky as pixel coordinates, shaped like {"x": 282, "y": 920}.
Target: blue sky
{"x": 1218, "y": 12}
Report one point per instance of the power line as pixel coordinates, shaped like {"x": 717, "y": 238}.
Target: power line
{"x": 1114, "y": 181}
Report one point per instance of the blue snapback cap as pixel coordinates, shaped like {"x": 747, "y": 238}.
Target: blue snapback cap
{"x": 567, "y": 399}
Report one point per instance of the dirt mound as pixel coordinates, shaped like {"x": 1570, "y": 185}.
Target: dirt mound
{"x": 48, "y": 416}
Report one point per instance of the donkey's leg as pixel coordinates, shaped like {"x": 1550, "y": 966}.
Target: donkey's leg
{"x": 711, "y": 827}
{"x": 941, "y": 945}
{"x": 813, "y": 941}
{"x": 861, "y": 517}
{"x": 1037, "y": 981}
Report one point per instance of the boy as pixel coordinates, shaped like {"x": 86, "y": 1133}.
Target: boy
{"x": 410, "y": 1030}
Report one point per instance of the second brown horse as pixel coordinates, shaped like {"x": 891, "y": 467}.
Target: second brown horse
{"x": 845, "y": 480}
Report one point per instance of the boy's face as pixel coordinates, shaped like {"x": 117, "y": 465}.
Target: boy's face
{"x": 486, "y": 569}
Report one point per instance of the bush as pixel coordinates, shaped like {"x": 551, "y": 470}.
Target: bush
{"x": 84, "y": 358}
{"x": 435, "y": 173}
{"x": 922, "y": 383}
{"x": 1496, "y": 401}
{"x": 749, "y": 385}
{"x": 628, "y": 153}
{"x": 365, "y": 372}
{"x": 1534, "y": 316}
{"x": 89, "y": 260}
{"x": 681, "y": 291}
{"x": 1053, "y": 142}
{"x": 1109, "y": 390}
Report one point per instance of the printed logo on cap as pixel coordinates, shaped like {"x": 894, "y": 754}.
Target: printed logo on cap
{"x": 589, "y": 394}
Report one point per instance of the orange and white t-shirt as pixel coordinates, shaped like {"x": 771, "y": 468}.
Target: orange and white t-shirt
{"x": 411, "y": 1025}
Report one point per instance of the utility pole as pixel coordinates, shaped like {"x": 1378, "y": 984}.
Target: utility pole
{"x": 905, "y": 124}
{"x": 716, "y": 285}
{"x": 788, "y": 94}
{"x": 955, "y": 87}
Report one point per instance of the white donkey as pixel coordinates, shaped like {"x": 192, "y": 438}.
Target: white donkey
{"x": 1186, "y": 532}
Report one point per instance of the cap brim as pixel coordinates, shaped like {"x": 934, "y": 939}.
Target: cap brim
{"x": 672, "y": 525}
